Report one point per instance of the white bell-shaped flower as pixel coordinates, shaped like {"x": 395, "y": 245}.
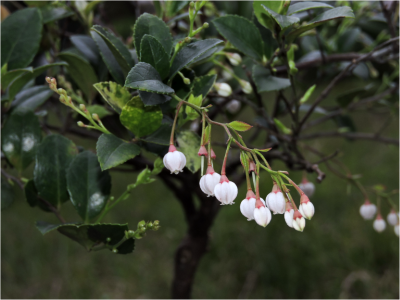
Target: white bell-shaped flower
{"x": 223, "y": 89}
{"x": 209, "y": 181}
{"x": 225, "y": 191}
{"x": 246, "y": 87}
{"x": 392, "y": 218}
{"x": 307, "y": 187}
{"x": 379, "y": 223}
{"x": 368, "y": 210}
{"x": 174, "y": 160}
{"x": 289, "y": 211}
{"x": 276, "y": 201}
{"x": 298, "y": 221}
{"x": 233, "y": 106}
{"x": 262, "y": 215}
{"x": 306, "y": 208}
{"x": 248, "y": 205}
{"x": 234, "y": 58}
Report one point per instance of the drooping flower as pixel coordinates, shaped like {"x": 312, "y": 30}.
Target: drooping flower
{"x": 234, "y": 58}
{"x": 289, "y": 211}
{"x": 213, "y": 155}
{"x": 174, "y": 160}
{"x": 209, "y": 181}
{"x": 246, "y": 87}
{"x": 379, "y": 223}
{"x": 307, "y": 187}
{"x": 367, "y": 210}
{"x": 262, "y": 215}
{"x": 392, "y": 218}
{"x": 248, "y": 205}
{"x": 306, "y": 208}
{"x": 223, "y": 89}
{"x": 233, "y": 106}
{"x": 298, "y": 221}
{"x": 275, "y": 200}
{"x": 202, "y": 151}
{"x": 225, "y": 191}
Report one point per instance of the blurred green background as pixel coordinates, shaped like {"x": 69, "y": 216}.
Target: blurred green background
{"x": 338, "y": 255}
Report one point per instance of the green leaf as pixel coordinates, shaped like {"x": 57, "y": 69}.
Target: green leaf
{"x": 239, "y": 126}
{"x": 283, "y": 21}
{"x": 153, "y": 53}
{"x": 151, "y": 25}
{"x": 100, "y": 110}
{"x": 335, "y": 13}
{"x": 158, "y": 166}
{"x": 307, "y": 94}
{"x": 269, "y": 43}
{"x": 282, "y": 127}
{"x": 203, "y": 85}
{"x": 302, "y": 6}
{"x": 145, "y": 78}
{"x": 189, "y": 145}
{"x": 50, "y": 14}
{"x": 87, "y": 46}
{"x": 160, "y": 136}
{"x": 21, "y": 33}
{"x": 114, "y": 94}
{"x": 113, "y": 151}
{"x": 173, "y": 7}
{"x": 242, "y": 33}
{"x": 264, "y": 19}
{"x": 32, "y": 196}
{"x": 81, "y": 72}
{"x": 7, "y": 193}
{"x": 265, "y": 82}
{"x": 139, "y": 119}
{"x": 88, "y": 187}
{"x": 31, "y": 98}
{"x": 190, "y": 112}
{"x": 53, "y": 157}
{"x": 144, "y": 177}
{"x": 190, "y": 52}
{"x": 20, "y": 137}
{"x": 153, "y": 98}
{"x": 8, "y": 77}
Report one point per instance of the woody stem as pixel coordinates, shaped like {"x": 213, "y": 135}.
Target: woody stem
{"x": 178, "y": 107}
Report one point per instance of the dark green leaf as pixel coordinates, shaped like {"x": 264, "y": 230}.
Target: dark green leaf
{"x": 113, "y": 151}
{"x": 7, "y": 78}
{"x": 335, "y": 13}
{"x": 153, "y": 53}
{"x": 50, "y": 14}
{"x": 264, "y": 19}
{"x": 32, "y": 98}
{"x": 242, "y": 33}
{"x": 87, "y": 46}
{"x": 160, "y": 136}
{"x": 88, "y": 186}
{"x": 32, "y": 196}
{"x": 145, "y": 78}
{"x": 151, "y": 25}
{"x": 139, "y": 119}
{"x": 191, "y": 114}
{"x": 173, "y": 7}
{"x": 269, "y": 43}
{"x": 53, "y": 157}
{"x": 283, "y": 21}
{"x": 302, "y": 6}
{"x": 150, "y": 99}
{"x": 7, "y": 193}
{"x": 239, "y": 126}
{"x": 20, "y": 138}
{"x": 189, "y": 145}
{"x": 21, "y": 33}
{"x": 81, "y": 72}
{"x": 115, "y": 95}
{"x": 205, "y": 55}
{"x": 190, "y": 52}
{"x": 265, "y": 82}
{"x": 203, "y": 85}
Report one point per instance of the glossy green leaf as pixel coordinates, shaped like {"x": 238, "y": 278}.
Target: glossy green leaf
{"x": 8, "y": 77}
{"x": 160, "y": 136}
{"x": 173, "y": 7}
{"x": 114, "y": 94}
{"x": 139, "y": 119}
{"x": 201, "y": 59}
{"x": 282, "y": 20}
{"x": 263, "y": 18}
{"x": 31, "y": 98}
{"x": 151, "y": 25}
{"x": 203, "y": 85}
{"x": 145, "y": 78}
{"x": 20, "y": 137}
{"x": 190, "y": 52}
{"x": 50, "y": 14}
{"x": 21, "y": 33}
{"x": 302, "y": 6}
{"x": 265, "y": 82}
{"x": 81, "y": 72}
{"x": 7, "y": 193}
{"x": 150, "y": 99}
{"x": 190, "y": 112}
{"x": 32, "y": 196}
{"x": 189, "y": 142}
{"x": 307, "y": 94}
{"x": 153, "y": 53}
{"x": 88, "y": 186}
{"x": 100, "y": 110}
{"x": 239, "y": 126}
{"x": 87, "y": 46}
{"x": 53, "y": 157}
{"x": 242, "y": 33}
{"x": 113, "y": 151}
{"x": 269, "y": 42}
{"x": 335, "y": 13}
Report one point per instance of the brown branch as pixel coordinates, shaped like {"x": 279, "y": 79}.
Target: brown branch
{"x": 351, "y": 135}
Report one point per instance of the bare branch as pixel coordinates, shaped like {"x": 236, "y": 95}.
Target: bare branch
{"x": 351, "y": 135}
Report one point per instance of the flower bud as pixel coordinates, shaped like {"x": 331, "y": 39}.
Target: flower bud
{"x": 307, "y": 187}
{"x": 392, "y": 218}
{"x": 379, "y": 223}
{"x": 96, "y": 117}
{"x": 48, "y": 79}
{"x": 367, "y": 210}
{"x": 298, "y": 221}
{"x": 306, "y": 207}
{"x": 248, "y": 205}
{"x": 233, "y": 106}
{"x": 213, "y": 155}
{"x": 226, "y": 75}
{"x": 276, "y": 201}
{"x": 174, "y": 160}
{"x": 289, "y": 211}
{"x": 202, "y": 151}
{"x": 246, "y": 87}
{"x": 223, "y": 89}
{"x": 252, "y": 167}
{"x": 206, "y": 25}
{"x": 234, "y": 58}
{"x": 225, "y": 191}
{"x": 186, "y": 80}
{"x": 80, "y": 124}
{"x": 82, "y": 107}
{"x": 209, "y": 181}
{"x": 262, "y": 215}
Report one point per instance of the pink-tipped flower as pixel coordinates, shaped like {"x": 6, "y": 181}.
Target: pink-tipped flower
{"x": 306, "y": 208}
{"x": 248, "y": 205}
{"x": 392, "y": 218}
{"x": 289, "y": 211}
{"x": 202, "y": 151}
{"x": 262, "y": 215}
{"x": 276, "y": 201}
{"x": 307, "y": 187}
{"x": 298, "y": 221}
{"x": 379, "y": 223}
{"x": 213, "y": 156}
{"x": 225, "y": 191}
{"x": 209, "y": 181}
{"x": 174, "y": 160}
{"x": 368, "y": 210}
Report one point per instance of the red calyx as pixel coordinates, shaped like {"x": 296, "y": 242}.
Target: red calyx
{"x": 275, "y": 188}
{"x": 367, "y": 202}
{"x": 252, "y": 167}
{"x": 304, "y": 199}
{"x": 259, "y": 203}
{"x": 202, "y": 151}
{"x": 250, "y": 194}
{"x": 289, "y": 206}
{"x": 379, "y": 216}
{"x": 171, "y": 148}
{"x": 213, "y": 156}
{"x": 297, "y": 215}
{"x": 224, "y": 179}
{"x": 210, "y": 170}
